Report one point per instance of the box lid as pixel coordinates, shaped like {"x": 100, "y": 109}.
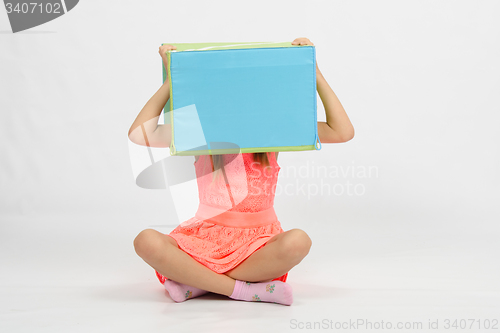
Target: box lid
{"x": 182, "y": 47}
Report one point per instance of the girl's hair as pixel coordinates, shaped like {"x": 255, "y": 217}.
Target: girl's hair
{"x": 260, "y": 158}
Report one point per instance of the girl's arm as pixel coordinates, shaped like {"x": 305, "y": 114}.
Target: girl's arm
{"x": 338, "y": 127}
{"x": 145, "y": 130}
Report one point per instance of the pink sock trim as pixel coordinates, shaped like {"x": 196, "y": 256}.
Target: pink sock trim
{"x": 237, "y": 289}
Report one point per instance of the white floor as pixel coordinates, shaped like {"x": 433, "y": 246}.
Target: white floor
{"x": 76, "y": 275}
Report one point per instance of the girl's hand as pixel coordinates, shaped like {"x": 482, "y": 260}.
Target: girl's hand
{"x": 163, "y": 53}
{"x": 302, "y": 41}
{"x": 306, "y": 41}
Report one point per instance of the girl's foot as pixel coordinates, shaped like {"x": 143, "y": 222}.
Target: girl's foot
{"x": 273, "y": 292}
{"x": 180, "y": 292}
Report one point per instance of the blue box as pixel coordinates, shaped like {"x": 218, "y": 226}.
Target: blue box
{"x": 228, "y": 98}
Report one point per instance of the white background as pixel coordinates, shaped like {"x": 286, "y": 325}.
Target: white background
{"x": 419, "y": 81}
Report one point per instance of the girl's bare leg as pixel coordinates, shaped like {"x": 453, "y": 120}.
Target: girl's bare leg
{"x": 280, "y": 254}
{"x": 163, "y": 254}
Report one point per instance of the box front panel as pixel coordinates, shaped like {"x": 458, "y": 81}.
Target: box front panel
{"x": 253, "y": 98}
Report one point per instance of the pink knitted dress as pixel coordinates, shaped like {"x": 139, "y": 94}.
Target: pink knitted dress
{"x": 236, "y": 214}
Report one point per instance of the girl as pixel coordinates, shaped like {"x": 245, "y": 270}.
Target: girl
{"x": 242, "y": 252}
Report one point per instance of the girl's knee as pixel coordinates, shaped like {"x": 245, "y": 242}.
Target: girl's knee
{"x": 147, "y": 243}
{"x": 296, "y": 244}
